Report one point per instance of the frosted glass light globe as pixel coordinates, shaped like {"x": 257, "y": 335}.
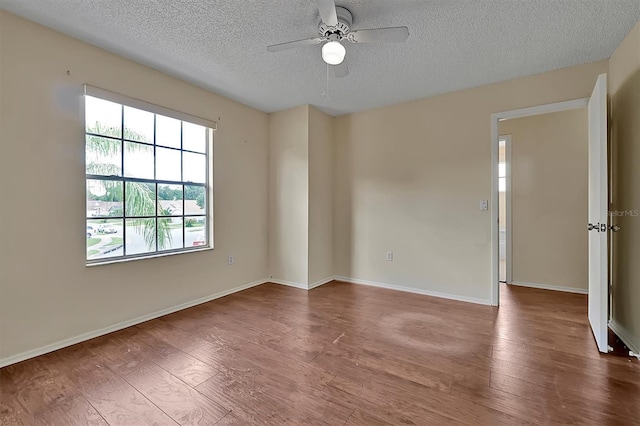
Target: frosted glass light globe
{"x": 333, "y": 53}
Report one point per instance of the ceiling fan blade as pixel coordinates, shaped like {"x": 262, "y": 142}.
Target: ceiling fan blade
{"x": 328, "y": 14}
{"x": 294, "y": 44}
{"x": 383, "y": 35}
{"x": 341, "y": 70}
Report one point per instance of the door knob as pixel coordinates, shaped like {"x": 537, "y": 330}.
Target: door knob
{"x": 615, "y": 228}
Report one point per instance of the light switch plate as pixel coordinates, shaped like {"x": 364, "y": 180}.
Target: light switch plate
{"x": 484, "y": 205}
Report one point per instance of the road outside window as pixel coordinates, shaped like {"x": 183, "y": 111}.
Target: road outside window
{"x": 146, "y": 182}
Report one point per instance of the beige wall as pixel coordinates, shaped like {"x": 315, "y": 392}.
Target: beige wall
{"x": 549, "y": 157}
{"x": 301, "y": 197}
{"x": 289, "y": 195}
{"x": 624, "y": 88}
{"x": 409, "y": 178}
{"x": 320, "y": 196}
{"x": 47, "y": 294}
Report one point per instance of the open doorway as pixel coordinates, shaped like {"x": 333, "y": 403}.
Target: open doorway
{"x": 543, "y": 242}
{"x": 501, "y": 132}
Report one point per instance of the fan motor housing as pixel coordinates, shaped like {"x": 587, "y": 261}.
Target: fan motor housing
{"x": 345, "y": 19}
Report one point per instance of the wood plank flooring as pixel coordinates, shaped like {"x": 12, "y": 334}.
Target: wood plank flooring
{"x": 340, "y": 354}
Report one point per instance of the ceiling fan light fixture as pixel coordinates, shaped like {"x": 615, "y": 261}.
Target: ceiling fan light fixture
{"x": 333, "y": 53}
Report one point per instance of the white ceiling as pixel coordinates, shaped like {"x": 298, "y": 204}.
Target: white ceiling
{"x": 453, "y": 44}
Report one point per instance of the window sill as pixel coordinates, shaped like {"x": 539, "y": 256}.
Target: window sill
{"x": 150, "y": 256}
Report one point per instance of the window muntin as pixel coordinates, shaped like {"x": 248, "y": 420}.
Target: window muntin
{"x": 147, "y": 181}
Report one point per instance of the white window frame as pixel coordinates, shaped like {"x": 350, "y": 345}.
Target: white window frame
{"x": 208, "y": 185}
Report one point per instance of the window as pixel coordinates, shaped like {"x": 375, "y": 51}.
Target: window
{"x": 502, "y": 177}
{"x": 502, "y": 166}
{"x": 147, "y": 179}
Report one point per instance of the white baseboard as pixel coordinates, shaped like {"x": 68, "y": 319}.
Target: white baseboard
{"x": 288, "y": 283}
{"x": 625, "y": 336}
{"x": 124, "y": 324}
{"x": 299, "y": 285}
{"x": 551, "y": 287}
{"x": 321, "y": 282}
{"x": 416, "y": 290}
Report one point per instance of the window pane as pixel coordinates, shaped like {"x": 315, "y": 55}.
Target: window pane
{"x": 138, "y": 160}
{"x": 104, "y": 238}
{"x": 502, "y": 169}
{"x": 140, "y": 199}
{"x": 138, "y": 125}
{"x": 194, "y": 137}
{"x": 170, "y": 233}
{"x": 194, "y": 167}
{"x": 167, "y": 131}
{"x": 102, "y": 117}
{"x": 195, "y": 231}
{"x": 169, "y": 200}
{"x": 194, "y": 200}
{"x": 168, "y": 164}
{"x": 104, "y": 198}
{"x": 103, "y": 156}
{"x": 502, "y": 184}
{"x": 141, "y": 236}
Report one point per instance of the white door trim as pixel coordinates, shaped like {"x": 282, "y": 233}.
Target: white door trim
{"x": 495, "y": 142}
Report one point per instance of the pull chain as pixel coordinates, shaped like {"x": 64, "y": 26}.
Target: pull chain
{"x": 326, "y": 90}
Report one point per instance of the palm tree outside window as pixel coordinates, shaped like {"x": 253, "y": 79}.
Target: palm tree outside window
{"x": 147, "y": 182}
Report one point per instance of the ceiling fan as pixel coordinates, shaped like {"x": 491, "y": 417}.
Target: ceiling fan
{"x": 334, "y": 28}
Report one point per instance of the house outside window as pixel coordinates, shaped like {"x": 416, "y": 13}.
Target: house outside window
{"x": 148, "y": 179}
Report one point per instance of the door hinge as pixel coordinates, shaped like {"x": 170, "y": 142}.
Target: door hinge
{"x": 599, "y": 227}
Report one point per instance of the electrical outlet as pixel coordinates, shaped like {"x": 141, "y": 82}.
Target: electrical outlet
{"x": 230, "y": 260}
{"x": 484, "y": 205}
{"x": 389, "y": 256}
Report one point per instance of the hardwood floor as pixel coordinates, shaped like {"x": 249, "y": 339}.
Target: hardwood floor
{"x": 340, "y": 354}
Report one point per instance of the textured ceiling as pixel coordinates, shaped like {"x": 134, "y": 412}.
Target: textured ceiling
{"x": 453, "y": 44}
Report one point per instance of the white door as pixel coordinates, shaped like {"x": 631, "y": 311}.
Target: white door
{"x": 598, "y": 207}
